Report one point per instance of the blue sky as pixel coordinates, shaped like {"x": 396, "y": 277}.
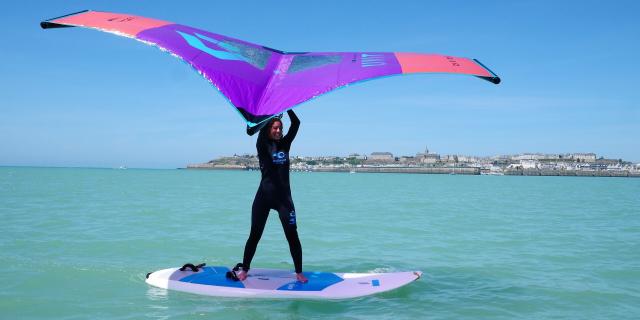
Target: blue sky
{"x": 78, "y": 97}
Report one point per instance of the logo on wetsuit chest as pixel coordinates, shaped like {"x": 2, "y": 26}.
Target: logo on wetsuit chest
{"x": 279, "y": 157}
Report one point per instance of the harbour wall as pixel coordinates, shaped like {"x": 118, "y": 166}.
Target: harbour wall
{"x": 423, "y": 170}
{"x": 436, "y": 170}
{"x": 573, "y": 173}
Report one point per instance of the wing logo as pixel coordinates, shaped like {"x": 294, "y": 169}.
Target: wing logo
{"x": 372, "y": 60}
{"x": 452, "y": 61}
{"x": 121, "y": 19}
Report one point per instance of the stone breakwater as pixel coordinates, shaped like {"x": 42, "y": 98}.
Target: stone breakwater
{"x": 209, "y": 166}
{"x": 573, "y": 173}
{"x": 423, "y": 170}
{"x": 377, "y": 169}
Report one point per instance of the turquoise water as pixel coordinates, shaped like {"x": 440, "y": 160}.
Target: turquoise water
{"x": 77, "y": 243}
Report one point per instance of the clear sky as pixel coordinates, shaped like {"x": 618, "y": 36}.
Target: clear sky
{"x": 78, "y": 97}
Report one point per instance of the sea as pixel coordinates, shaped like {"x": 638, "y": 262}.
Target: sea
{"x": 76, "y": 243}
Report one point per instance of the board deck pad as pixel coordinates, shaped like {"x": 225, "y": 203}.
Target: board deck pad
{"x": 275, "y": 283}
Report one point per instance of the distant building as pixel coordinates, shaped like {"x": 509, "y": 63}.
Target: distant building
{"x": 430, "y": 158}
{"x": 407, "y": 160}
{"x": 528, "y": 156}
{"x": 467, "y": 159}
{"x": 449, "y": 158}
{"x": 499, "y": 157}
{"x": 607, "y": 162}
{"x": 583, "y": 157}
{"x": 381, "y": 156}
{"x": 529, "y": 164}
{"x": 427, "y": 157}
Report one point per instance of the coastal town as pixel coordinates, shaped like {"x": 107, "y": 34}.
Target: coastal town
{"x": 526, "y": 164}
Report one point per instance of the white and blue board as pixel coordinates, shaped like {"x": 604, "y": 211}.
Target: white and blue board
{"x": 274, "y": 283}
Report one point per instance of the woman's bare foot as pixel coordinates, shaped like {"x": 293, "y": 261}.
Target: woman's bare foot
{"x": 301, "y": 278}
{"x": 242, "y": 275}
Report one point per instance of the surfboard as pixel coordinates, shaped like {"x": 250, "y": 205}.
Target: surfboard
{"x": 275, "y": 283}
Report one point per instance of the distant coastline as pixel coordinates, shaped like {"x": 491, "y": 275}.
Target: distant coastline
{"x": 528, "y": 164}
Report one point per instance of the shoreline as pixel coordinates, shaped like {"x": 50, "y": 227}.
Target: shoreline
{"x": 436, "y": 170}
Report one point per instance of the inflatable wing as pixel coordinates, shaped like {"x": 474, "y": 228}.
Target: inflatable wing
{"x": 261, "y": 82}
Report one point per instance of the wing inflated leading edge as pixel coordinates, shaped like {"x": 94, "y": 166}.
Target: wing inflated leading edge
{"x": 261, "y": 82}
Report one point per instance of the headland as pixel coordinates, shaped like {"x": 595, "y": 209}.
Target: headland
{"x": 526, "y": 164}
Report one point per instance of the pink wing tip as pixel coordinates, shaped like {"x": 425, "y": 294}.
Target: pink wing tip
{"x": 114, "y": 22}
{"x": 418, "y": 62}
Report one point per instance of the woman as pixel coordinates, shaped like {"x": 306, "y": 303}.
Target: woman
{"x": 274, "y": 192}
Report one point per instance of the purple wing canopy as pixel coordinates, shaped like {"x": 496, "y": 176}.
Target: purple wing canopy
{"x": 261, "y": 82}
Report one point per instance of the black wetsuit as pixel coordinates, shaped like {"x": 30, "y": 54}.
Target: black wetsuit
{"x": 274, "y": 192}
